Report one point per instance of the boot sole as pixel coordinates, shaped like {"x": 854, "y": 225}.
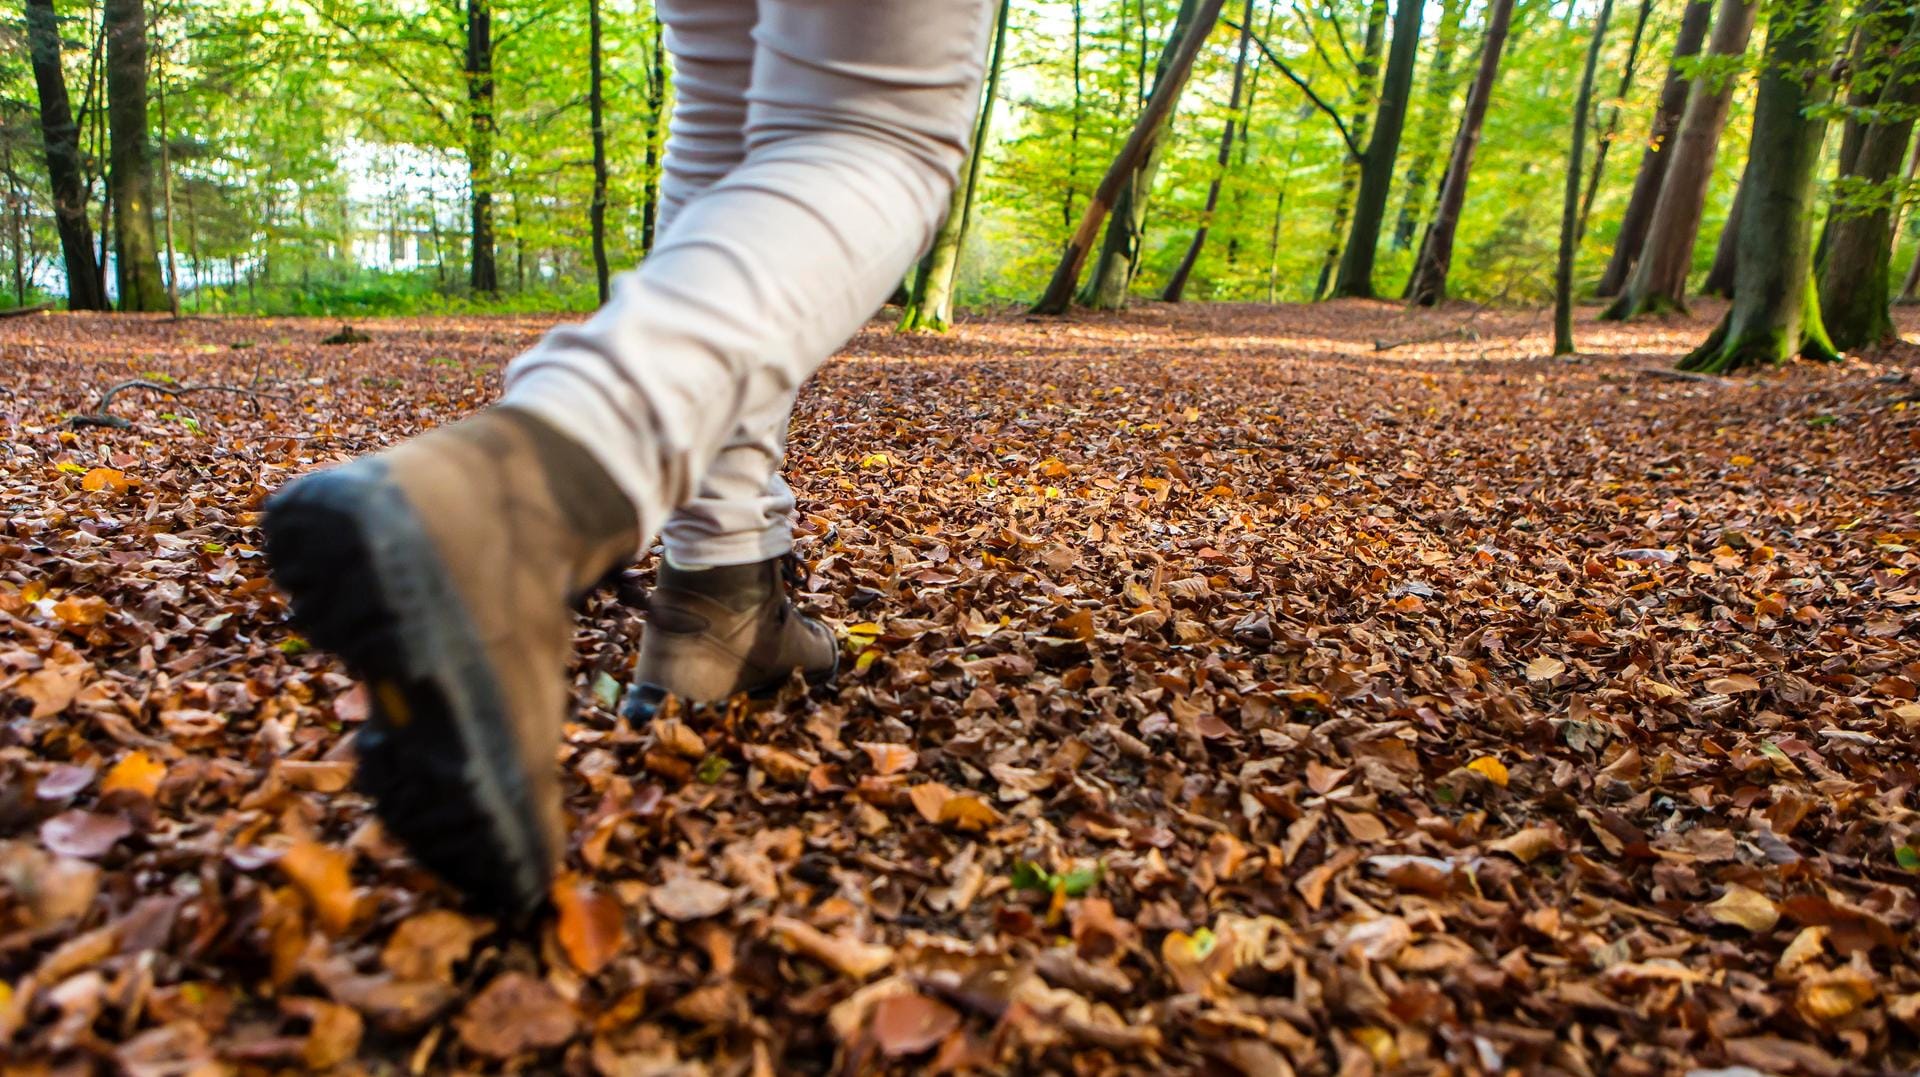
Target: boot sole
{"x": 645, "y": 700}
{"x": 436, "y": 753}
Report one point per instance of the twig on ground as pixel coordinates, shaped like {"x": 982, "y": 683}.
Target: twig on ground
{"x": 18, "y": 311}
{"x": 1665, "y": 374}
{"x": 101, "y": 417}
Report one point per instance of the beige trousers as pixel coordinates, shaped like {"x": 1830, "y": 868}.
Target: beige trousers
{"x": 811, "y": 152}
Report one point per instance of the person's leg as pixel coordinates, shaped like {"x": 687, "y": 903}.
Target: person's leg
{"x": 711, "y": 633}
{"x": 441, "y": 570}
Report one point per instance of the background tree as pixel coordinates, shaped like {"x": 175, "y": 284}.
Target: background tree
{"x": 597, "y": 118}
{"x": 1377, "y": 164}
{"x": 483, "y": 273}
{"x": 1427, "y": 285}
{"x": 61, "y": 137}
{"x": 1066, "y": 274}
{"x": 1659, "y": 146}
{"x": 1854, "y": 266}
{"x": 1611, "y": 126}
{"x": 135, "y": 249}
{"x": 1366, "y": 70}
{"x": 931, "y": 305}
{"x": 1570, "y": 209}
{"x": 1177, "y": 284}
{"x": 1441, "y": 84}
{"x": 1659, "y": 281}
{"x": 1776, "y": 308}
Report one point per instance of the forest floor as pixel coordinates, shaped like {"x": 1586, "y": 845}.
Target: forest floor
{"x": 1223, "y": 694}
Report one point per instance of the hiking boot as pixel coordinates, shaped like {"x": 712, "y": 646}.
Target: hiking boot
{"x": 443, "y": 571}
{"x": 716, "y": 632}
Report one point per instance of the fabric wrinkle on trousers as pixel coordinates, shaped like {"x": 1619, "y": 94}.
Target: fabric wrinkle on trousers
{"x": 811, "y": 152}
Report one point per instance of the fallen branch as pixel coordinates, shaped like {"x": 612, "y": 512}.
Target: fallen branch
{"x": 18, "y": 311}
{"x": 1663, "y": 374}
{"x": 101, "y": 417}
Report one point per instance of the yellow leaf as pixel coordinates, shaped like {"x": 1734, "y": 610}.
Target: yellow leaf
{"x": 104, "y": 478}
{"x": 1545, "y": 668}
{"x": 862, "y": 635}
{"x": 1495, "y": 770}
{"x": 72, "y": 468}
{"x": 876, "y": 461}
{"x": 1742, "y": 461}
{"x": 1745, "y": 908}
{"x": 136, "y": 771}
{"x": 1379, "y": 1043}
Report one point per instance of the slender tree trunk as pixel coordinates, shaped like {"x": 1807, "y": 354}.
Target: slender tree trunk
{"x": 136, "y": 254}
{"x": 166, "y": 183}
{"x": 1120, "y": 253}
{"x": 1428, "y": 284}
{"x": 482, "y": 272}
{"x": 1612, "y": 123}
{"x": 596, "y": 113}
{"x": 1066, "y": 274}
{"x": 1570, "y": 207}
{"x": 1853, "y": 270}
{"x": 1426, "y": 139}
{"x": 1726, "y": 253}
{"x": 1776, "y": 306}
{"x": 61, "y": 137}
{"x": 1659, "y": 281}
{"x": 1177, "y": 284}
{"x": 1653, "y": 162}
{"x": 1383, "y": 150}
{"x": 1877, "y": 28}
{"x": 1079, "y": 107}
{"x": 1363, "y": 100}
{"x": 1279, "y": 205}
{"x": 656, "y": 131}
{"x": 930, "y": 306}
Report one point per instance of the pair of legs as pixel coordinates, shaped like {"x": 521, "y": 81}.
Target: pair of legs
{"x": 813, "y": 148}
{"x": 810, "y": 151}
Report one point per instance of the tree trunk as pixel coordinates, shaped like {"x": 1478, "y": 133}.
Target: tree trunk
{"x": 596, "y": 113}
{"x": 1177, "y": 284}
{"x": 656, "y": 128}
{"x": 1066, "y": 274}
{"x": 136, "y": 252}
{"x": 1428, "y": 284}
{"x": 1364, "y": 75}
{"x": 1079, "y": 106}
{"x": 482, "y": 273}
{"x": 1383, "y": 150}
{"x": 1426, "y": 139}
{"x": 61, "y": 137}
{"x": 930, "y": 306}
{"x": 1120, "y": 252}
{"x": 166, "y": 184}
{"x": 1653, "y": 162}
{"x": 1659, "y": 281}
{"x": 1854, "y": 267}
{"x": 1776, "y": 307}
{"x": 1570, "y": 206}
{"x": 1877, "y": 29}
{"x": 1726, "y": 254}
{"x": 1613, "y": 119}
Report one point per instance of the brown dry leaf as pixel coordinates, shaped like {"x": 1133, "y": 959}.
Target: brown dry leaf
{"x": 1745, "y": 908}
{"x": 427, "y": 945}
{"x": 889, "y": 759}
{"x": 324, "y": 877}
{"x": 333, "y": 1035}
{"x": 81, "y": 611}
{"x": 782, "y": 766}
{"x": 685, "y": 896}
{"x": 843, "y": 952}
{"x": 911, "y": 1023}
{"x": 592, "y": 925}
{"x": 930, "y": 799}
{"x": 83, "y": 834}
{"x": 1831, "y": 996}
{"x": 136, "y": 771}
{"x": 515, "y": 1014}
{"x": 1732, "y": 685}
{"x": 1530, "y": 844}
{"x": 1545, "y": 668}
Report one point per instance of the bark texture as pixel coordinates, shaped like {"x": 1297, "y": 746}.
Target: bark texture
{"x": 1570, "y": 208}
{"x": 61, "y": 138}
{"x": 130, "y": 174}
{"x": 1383, "y": 150}
{"x": 1776, "y": 307}
{"x": 1428, "y": 284}
{"x": 1659, "y": 281}
{"x": 1659, "y": 151}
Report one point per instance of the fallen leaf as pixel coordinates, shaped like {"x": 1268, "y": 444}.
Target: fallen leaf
{"x": 843, "y": 952}
{"x": 323, "y": 876}
{"x": 889, "y": 759}
{"x": 136, "y": 772}
{"x": 1745, "y": 908}
{"x": 84, "y": 834}
{"x": 688, "y": 897}
{"x": 1495, "y": 770}
{"x": 911, "y": 1023}
{"x": 1545, "y": 668}
{"x": 426, "y": 946}
{"x": 592, "y": 926}
{"x": 515, "y": 1014}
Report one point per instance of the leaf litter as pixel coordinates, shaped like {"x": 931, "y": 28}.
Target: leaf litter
{"x": 1221, "y": 694}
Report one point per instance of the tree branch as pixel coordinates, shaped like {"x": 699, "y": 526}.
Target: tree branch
{"x": 1345, "y": 135}
{"x": 101, "y": 417}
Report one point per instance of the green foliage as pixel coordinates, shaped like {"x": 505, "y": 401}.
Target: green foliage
{"x": 319, "y": 167}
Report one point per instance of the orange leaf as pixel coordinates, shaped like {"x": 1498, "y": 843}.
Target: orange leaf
{"x": 76, "y": 611}
{"x": 890, "y": 758}
{"x": 930, "y": 799}
{"x": 103, "y": 478}
{"x": 593, "y": 926}
{"x": 1495, "y": 770}
{"x": 323, "y": 876}
{"x": 136, "y": 771}
{"x": 968, "y": 812}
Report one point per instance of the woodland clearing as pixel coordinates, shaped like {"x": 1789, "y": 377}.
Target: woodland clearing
{"x": 1223, "y": 693}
